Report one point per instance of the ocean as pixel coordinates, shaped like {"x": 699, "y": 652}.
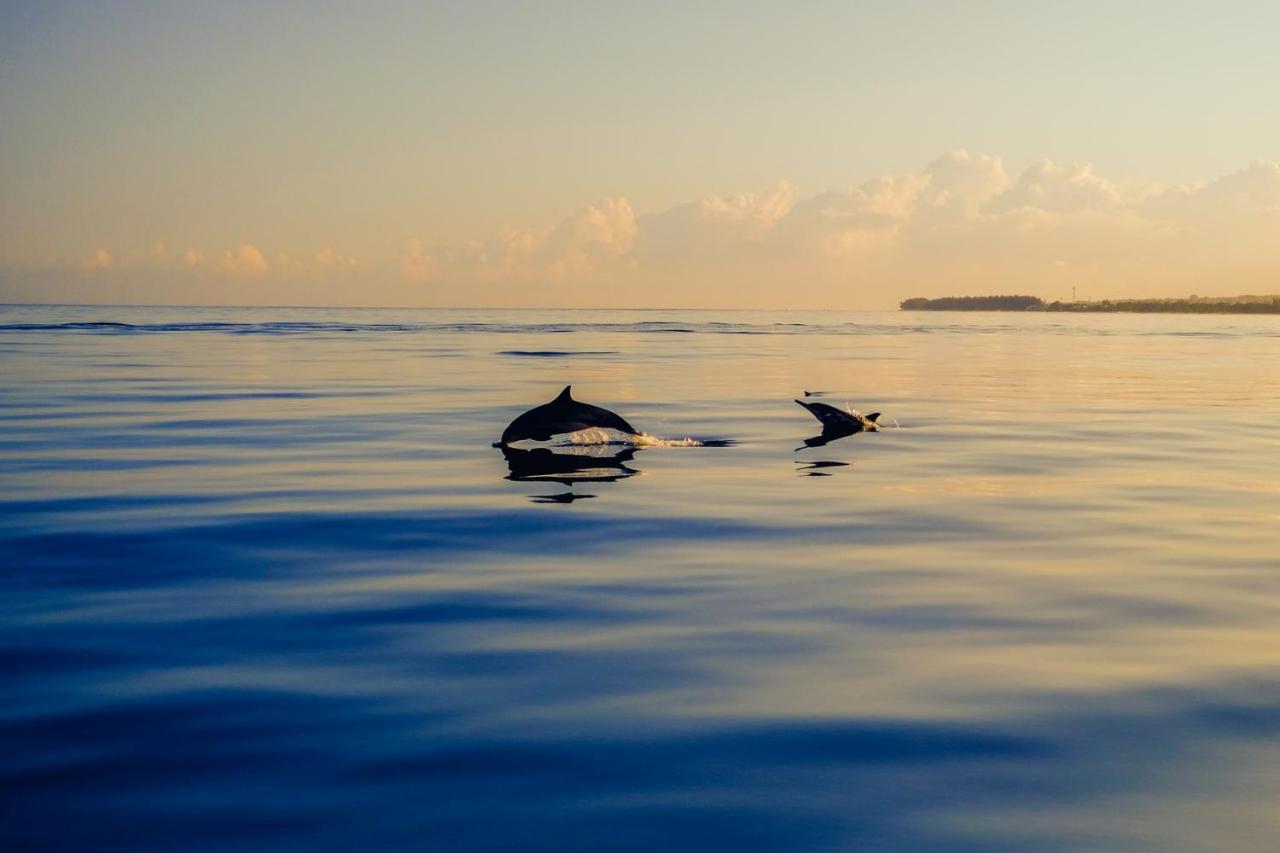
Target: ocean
{"x": 268, "y": 585}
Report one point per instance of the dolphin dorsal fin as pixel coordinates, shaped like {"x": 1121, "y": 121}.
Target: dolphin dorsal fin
{"x": 564, "y": 395}
{"x": 872, "y": 417}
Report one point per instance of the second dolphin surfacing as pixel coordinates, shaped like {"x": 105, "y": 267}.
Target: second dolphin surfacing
{"x": 836, "y": 423}
{"x": 562, "y": 415}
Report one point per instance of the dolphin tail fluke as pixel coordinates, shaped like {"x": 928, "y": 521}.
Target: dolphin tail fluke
{"x": 872, "y": 417}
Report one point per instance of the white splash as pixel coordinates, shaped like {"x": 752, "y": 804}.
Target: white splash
{"x": 646, "y": 440}
{"x": 884, "y": 421}
{"x": 595, "y": 437}
{"x": 608, "y": 436}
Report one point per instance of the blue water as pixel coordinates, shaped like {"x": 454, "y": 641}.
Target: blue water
{"x": 266, "y": 584}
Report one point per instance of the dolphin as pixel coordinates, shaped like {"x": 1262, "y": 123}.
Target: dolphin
{"x": 561, "y": 415}
{"x": 837, "y": 423}
{"x": 834, "y": 419}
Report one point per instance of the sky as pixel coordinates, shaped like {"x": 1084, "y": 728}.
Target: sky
{"x": 739, "y": 155}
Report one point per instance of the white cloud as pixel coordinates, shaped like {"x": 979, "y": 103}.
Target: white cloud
{"x": 605, "y": 228}
{"x": 416, "y": 264}
{"x": 593, "y": 236}
{"x": 846, "y": 222}
{"x": 1251, "y": 192}
{"x": 1051, "y": 188}
{"x": 245, "y": 261}
{"x": 712, "y": 229}
{"x": 328, "y": 259}
{"x": 588, "y": 242}
{"x": 99, "y": 260}
{"x": 960, "y": 183}
{"x": 960, "y": 224}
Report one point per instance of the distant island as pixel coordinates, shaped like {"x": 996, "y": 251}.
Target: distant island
{"x": 1265, "y": 304}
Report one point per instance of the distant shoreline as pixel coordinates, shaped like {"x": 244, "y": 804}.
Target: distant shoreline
{"x": 1268, "y": 304}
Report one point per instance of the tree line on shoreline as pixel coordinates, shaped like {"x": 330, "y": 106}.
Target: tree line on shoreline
{"x": 1251, "y": 304}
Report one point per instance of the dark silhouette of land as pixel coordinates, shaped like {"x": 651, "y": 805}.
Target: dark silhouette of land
{"x": 975, "y": 303}
{"x": 1251, "y": 304}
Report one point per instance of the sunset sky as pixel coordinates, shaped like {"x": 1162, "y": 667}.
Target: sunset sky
{"x": 843, "y": 155}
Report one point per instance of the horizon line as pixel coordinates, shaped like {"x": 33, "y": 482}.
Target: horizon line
{"x": 405, "y": 307}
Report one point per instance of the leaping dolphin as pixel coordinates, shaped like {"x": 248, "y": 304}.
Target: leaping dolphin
{"x": 837, "y": 423}
{"x": 834, "y": 419}
{"x": 563, "y": 414}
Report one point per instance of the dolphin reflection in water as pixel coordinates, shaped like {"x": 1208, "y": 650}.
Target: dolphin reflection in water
{"x": 597, "y": 464}
{"x": 837, "y": 423}
{"x": 593, "y": 464}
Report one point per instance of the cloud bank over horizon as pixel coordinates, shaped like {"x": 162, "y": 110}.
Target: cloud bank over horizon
{"x": 963, "y": 224}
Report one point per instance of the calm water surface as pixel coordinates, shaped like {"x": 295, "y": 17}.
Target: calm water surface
{"x": 266, "y": 584}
